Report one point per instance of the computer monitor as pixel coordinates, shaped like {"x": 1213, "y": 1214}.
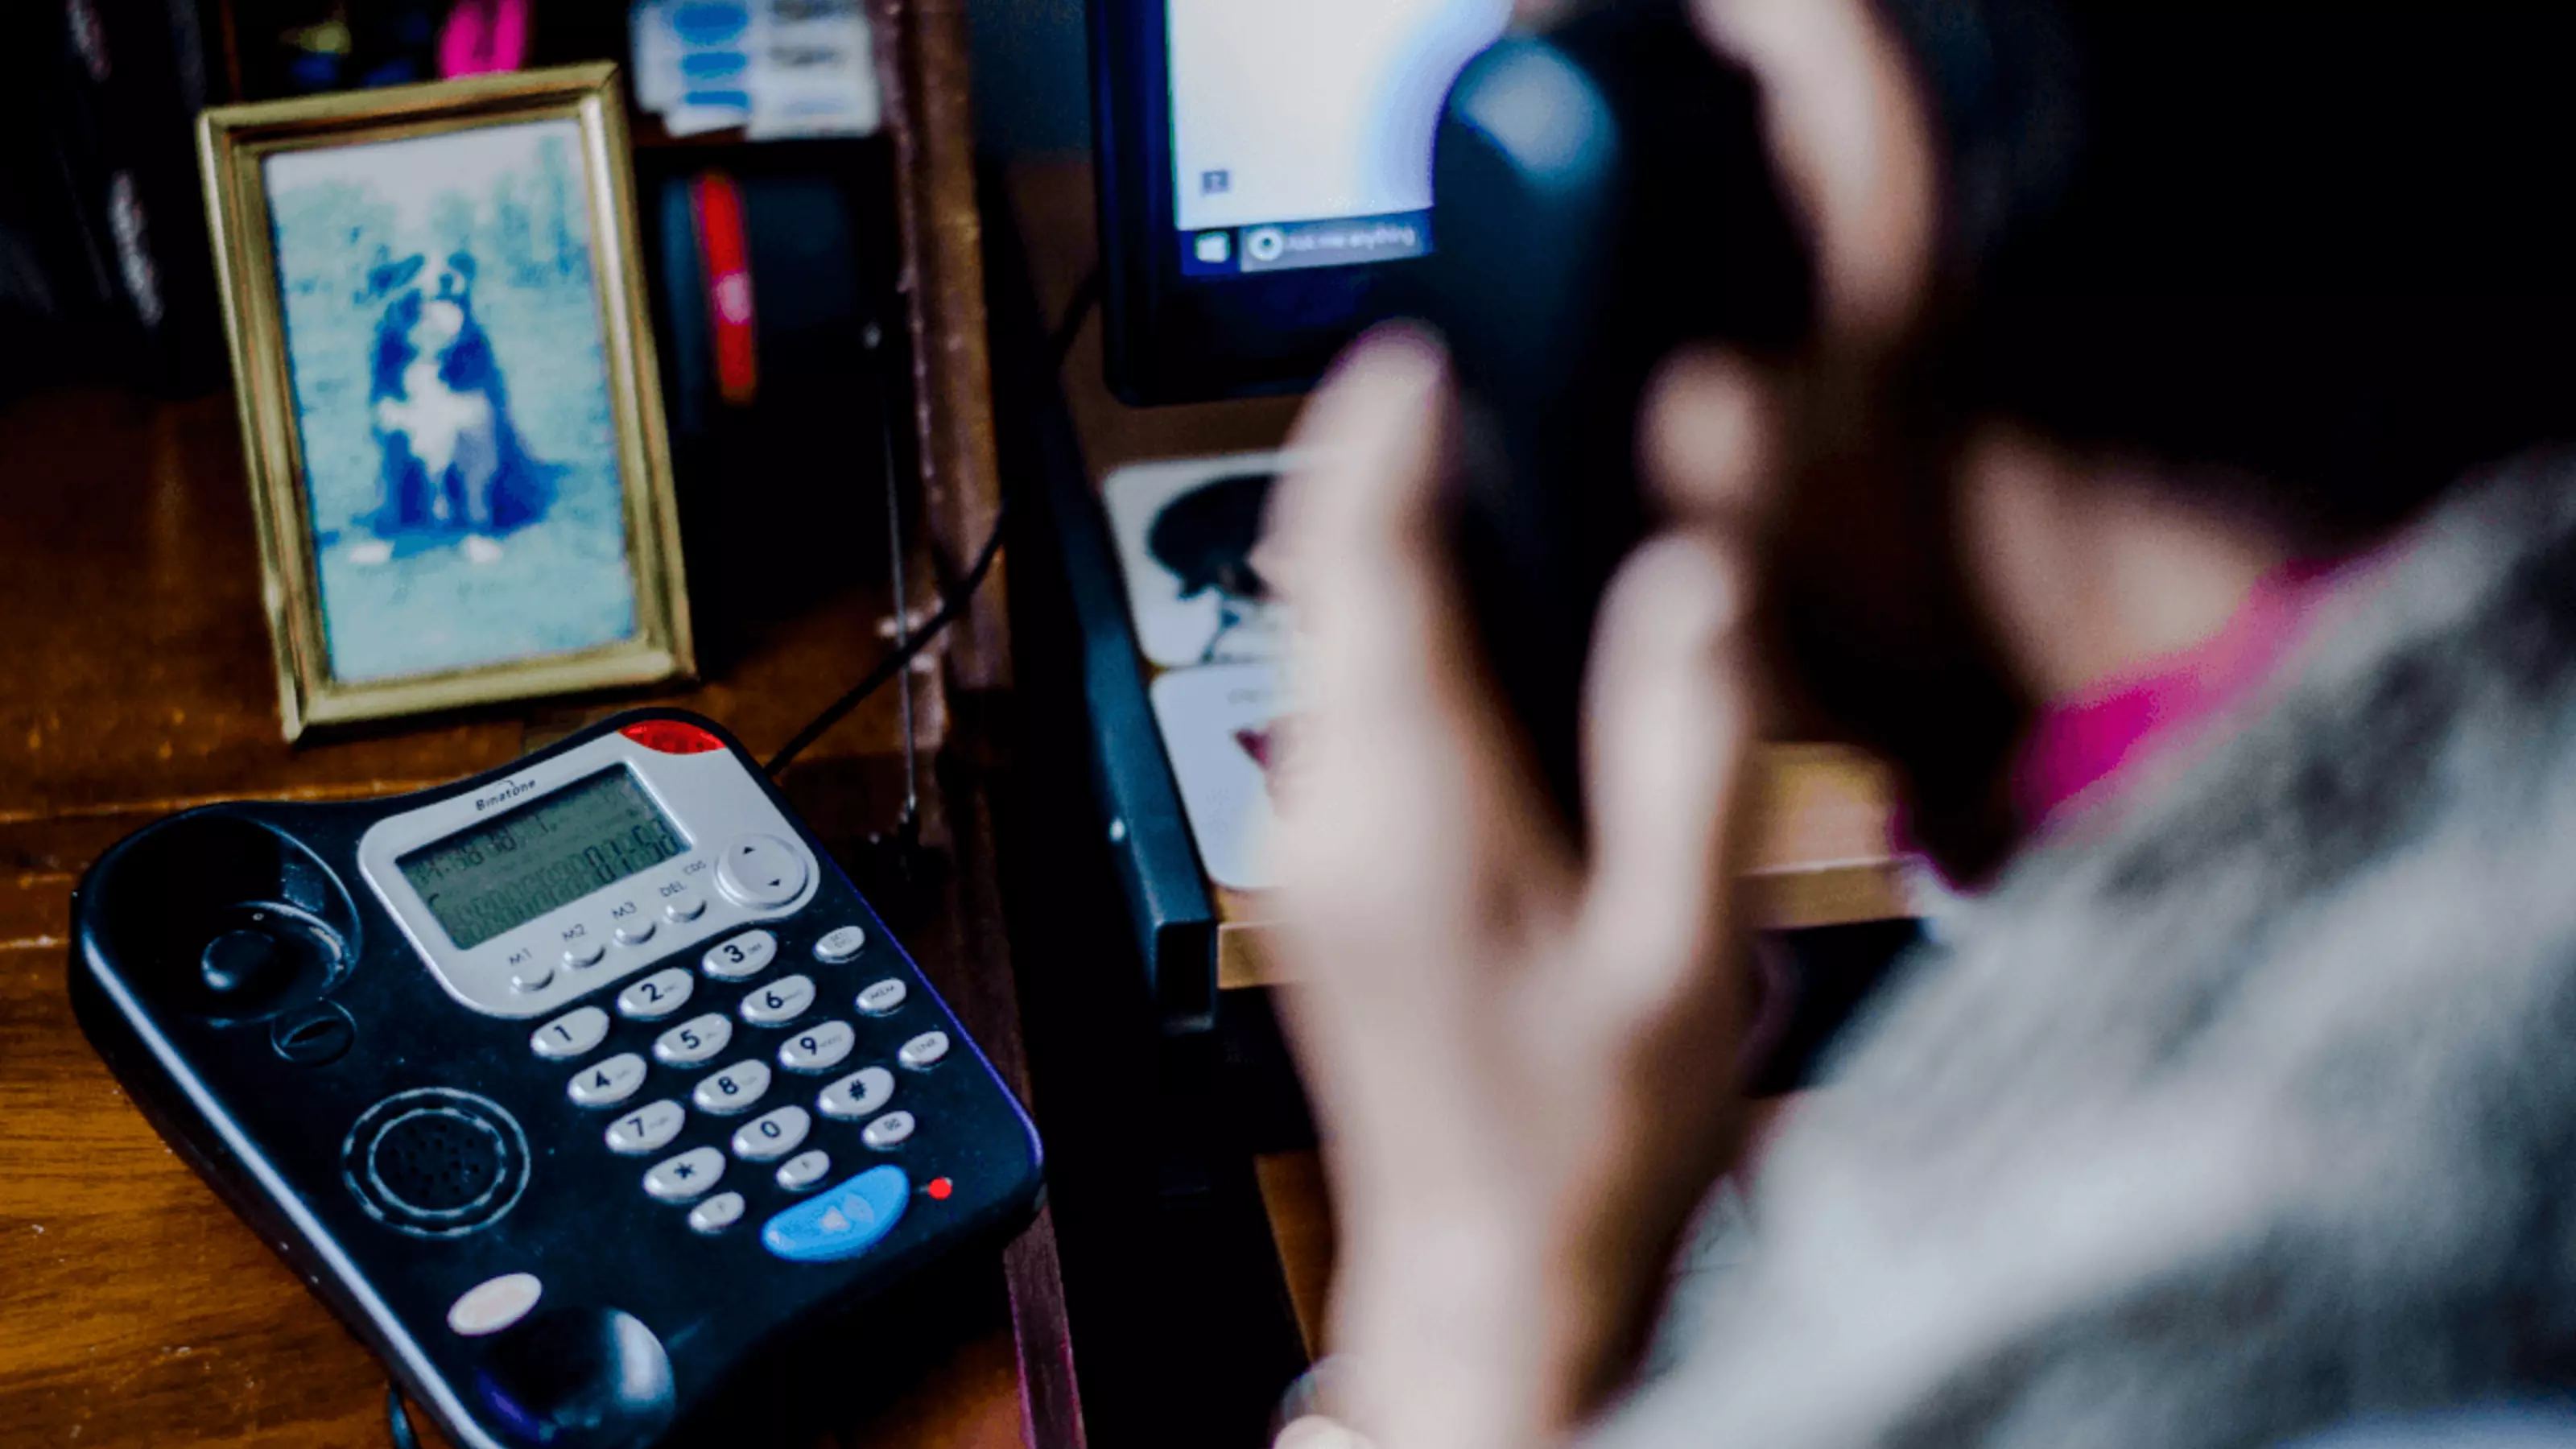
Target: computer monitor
{"x": 1264, "y": 171}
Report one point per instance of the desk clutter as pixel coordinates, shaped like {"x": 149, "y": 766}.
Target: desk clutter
{"x": 572, "y": 1087}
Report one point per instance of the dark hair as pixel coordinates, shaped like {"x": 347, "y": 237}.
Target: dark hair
{"x": 2313, "y": 251}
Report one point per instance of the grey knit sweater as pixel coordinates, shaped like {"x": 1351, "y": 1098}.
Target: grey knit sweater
{"x": 2252, "y": 1113}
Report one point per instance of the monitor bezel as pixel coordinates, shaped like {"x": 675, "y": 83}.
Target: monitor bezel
{"x": 1169, "y": 338}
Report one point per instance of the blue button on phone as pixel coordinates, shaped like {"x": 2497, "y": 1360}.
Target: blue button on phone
{"x": 842, "y": 1222}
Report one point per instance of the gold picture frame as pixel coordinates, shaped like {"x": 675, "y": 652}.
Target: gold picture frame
{"x": 500, "y": 463}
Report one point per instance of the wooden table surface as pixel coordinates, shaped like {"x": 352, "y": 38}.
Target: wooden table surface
{"x": 135, "y": 680}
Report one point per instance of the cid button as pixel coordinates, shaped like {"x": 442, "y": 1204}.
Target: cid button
{"x": 842, "y": 1222}
{"x": 761, "y": 871}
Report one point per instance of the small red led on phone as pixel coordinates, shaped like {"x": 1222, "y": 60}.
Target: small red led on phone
{"x": 939, "y": 1189}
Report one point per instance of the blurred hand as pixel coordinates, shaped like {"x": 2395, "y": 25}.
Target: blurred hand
{"x": 1522, "y": 1046}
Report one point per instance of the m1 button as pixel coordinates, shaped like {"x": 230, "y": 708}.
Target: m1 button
{"x": 761, "y": 871}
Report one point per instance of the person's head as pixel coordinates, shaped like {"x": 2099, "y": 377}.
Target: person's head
{"x": 2284, "y": 268}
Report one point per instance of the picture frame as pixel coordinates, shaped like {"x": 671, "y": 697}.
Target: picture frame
{"x": 450, "y": 406}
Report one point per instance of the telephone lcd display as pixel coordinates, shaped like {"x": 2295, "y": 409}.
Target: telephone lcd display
{"x": 517, "y": 866}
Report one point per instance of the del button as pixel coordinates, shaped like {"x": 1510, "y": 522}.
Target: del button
{"x": 761, "y": 871}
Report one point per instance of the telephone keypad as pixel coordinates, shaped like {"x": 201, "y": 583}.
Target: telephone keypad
{"x": 773, "y": 1134}
{"x": 780, "y": 1002}
{"x": 780, "y": 1135}
{"x": 818, "y": 1049}
{"x": 695, "y": 1042}
{"x": 647, "y": 1129}
{"x": 717, "y": 1213}
{"x": 605, "y": 1084}
{"x": 732, "y": 1092}
{"x": 924, "y": 1051}
{"x": 657, "y": 995}
{"x": 740, "y": 958}
{"x": 804, "y": 1170}
{"x": 859, "y": 1094}
{"x": 570, "y": 1035}
{"x": 689, "y": 1175}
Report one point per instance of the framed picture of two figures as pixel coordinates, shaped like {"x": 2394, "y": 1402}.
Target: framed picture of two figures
{"x": 448, "y": 394}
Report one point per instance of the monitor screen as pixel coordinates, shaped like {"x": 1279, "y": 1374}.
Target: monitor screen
{"x": 1301, "y": 133}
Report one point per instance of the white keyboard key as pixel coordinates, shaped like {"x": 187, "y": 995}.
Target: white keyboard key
{"x": 772, "y": 1135}
{"x": 732, "y": 1092}
{"x": 657, "y": 995}
{"x": 605, "y": 1084}
{"x": 924, "y": 1050}
{"x": 804, "y": 1170}
{"x": 858, "y": 1095}
{"x": 686, "y": 1176}
{"x": 884, "y": 997}
{"x": 695, "y": 1042}
{"x": 570, "y": 1035}
{"x": 840, "y": 945}
{"x": 717, "y": 1213}
{"x": 818, "y": 1049}
{"x": 647, "y": 1129}
{"x": 887, "y": 1131}
{"x": 780, "y": 1002}
{"x": 741, "y": 958}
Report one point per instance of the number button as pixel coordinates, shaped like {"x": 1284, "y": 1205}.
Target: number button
{"x": 570, "y": 1035}
{"x": 772, "y": 1135}
{"x": 857, "y": 1095}
{"x": 884, "y": 998}
{"x": 924, "y": 1050}
{"x": 741, "y": 958}
{"x": 840, "y": 945}
{"x": 694, "y": 1043}
{"x": 780, "y": 1002}
{"x": 804, "y": 1170}
{"x": 608, "y": 1083}
{"x": 731, "y": 1092}
{"x": 686, "y": 1176}
{"x": 656, "y": 996}
{"x": 717, "y": 1213}
{"x": 890, "y": 1130}
{"x": 818, "y": 1049}
{"x": 648, "y": 1129}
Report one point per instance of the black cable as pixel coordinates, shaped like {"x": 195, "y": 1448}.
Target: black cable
{"x": 1059, "y": 346}
{"x": 398, "y": 1419}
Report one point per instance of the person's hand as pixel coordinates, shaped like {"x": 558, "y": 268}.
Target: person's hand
{"x": 1522, "y": 1046}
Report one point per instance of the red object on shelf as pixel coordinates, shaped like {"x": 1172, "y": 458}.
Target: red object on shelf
{"x": 724, "y": 253}
{"x": 672, "y": 737}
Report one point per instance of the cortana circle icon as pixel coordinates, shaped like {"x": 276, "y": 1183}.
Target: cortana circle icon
{"x": 1265, "y": 243}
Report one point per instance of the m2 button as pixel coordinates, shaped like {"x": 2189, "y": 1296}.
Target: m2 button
{"x": 842, "y": 1222}
{"x": 761, "y": 871}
